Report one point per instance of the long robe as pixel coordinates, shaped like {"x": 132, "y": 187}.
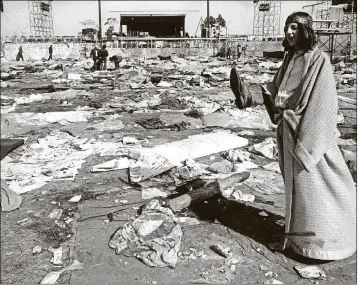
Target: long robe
{"x": 320, "y": 192}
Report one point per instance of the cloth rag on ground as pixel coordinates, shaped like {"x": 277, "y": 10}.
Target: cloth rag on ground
{"x": 154, "y": 237}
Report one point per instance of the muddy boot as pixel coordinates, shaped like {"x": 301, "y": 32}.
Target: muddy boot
{"x": 239, "y": 88}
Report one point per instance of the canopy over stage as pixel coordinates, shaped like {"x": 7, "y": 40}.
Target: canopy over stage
{"x": 155, "y": 25}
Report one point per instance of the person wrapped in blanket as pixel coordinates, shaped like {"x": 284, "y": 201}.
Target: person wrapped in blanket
{"x": 320, "y": 194}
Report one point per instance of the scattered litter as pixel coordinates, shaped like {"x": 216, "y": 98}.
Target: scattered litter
{"x": 155, "y": 232}
{"x": 270, "y": 274}
{"x": 273, "y": 281}
{"x": 346, "y": 142}
{"x": 224, "y": 166}
{"x": 23, "y": 221}
{"x": 130, "y": 141}
{"x": 57, "y": 255}
{"x": 52, "y": 277}
{"x": 310, "y": 272}
{"x": 55, "y": 214}
{"x": 68, "y": 220}
{"x": 267, "y": 148}
{"x": 161, "y": 158}
{"x": 37, "y": 249}
{"x": 246, "y": 133}
{"x": 273, "y": 166}
{"x": 225, "y": 252}
{"x": 238, "y": 195}
{"x": 236, "y": 155}
{"x": 191, "y": 254}
{"x": 149, "y": 193}
{"x": 263, "y": 214}
{"x": 187, "y": 221}
{"x": 75, "y": 199}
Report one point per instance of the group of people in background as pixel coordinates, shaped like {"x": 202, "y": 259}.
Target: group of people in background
{"x": 99, "y": 57}
{"x": 230, "y": 51}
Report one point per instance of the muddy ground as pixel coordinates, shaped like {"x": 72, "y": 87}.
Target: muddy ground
{"x": 239, "y": 225}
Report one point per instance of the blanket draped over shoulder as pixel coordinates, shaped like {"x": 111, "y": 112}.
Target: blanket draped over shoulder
{"x": 320, "y": 192}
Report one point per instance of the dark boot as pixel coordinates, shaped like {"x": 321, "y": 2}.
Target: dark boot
{"x": 240, "y": 90}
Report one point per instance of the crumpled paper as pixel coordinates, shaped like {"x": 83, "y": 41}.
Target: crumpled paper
{"x": 154, "y": 237}
{"x": 267, "y": 148}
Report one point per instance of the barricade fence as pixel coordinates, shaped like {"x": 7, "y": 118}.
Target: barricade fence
{"x": 139, "y": 46}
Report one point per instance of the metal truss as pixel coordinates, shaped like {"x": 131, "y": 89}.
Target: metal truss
{"x": 41, "y": 21}
{"x": 267, "y": 16}
{"x": 335, "y": 43}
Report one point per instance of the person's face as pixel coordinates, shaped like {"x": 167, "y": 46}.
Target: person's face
{"x": 292, "y": 33}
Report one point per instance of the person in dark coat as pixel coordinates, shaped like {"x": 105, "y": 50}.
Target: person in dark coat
{"x": 244, "y": 48}
{"x": 50, "y": 51}
{"x": 116, "y": 59}
{"x": 19, "y": 54}
{"x": 239, "y": 50}
{"x": 103, "y": 54}
{"x": 95, "y": 56}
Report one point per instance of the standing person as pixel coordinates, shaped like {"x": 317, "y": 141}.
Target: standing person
{"x": 239, "y": 50}
{"x": 19, "y": 55}
{"x": 319, "y": 190}
{"x": 50, "y": 51}
{"x": 228, "y": 51}
{"x": 103, "y": 54}
{"x": 244, "y": 48}
{"x": 94, "y": 56}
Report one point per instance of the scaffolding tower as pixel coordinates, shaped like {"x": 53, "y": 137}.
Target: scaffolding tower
{"x": 335, "y": 35}
{"x": 267, "y": 16}
{"x": 41, "y": 22}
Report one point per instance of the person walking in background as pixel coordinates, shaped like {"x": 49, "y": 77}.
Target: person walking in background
{"x": 103, "y": 54}
{"x": 320, "y": 194}
{"x": 20, "y": 55}
{"x": 228, "y": 51}
{"x": 239, "y": 50}
{"x": 244, "y": 48}
{"x": 94, "y": 55}
{"x": 50, "y": 51}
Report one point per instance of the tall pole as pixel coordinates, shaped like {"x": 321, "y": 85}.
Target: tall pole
{"x": 207, "y": 17}
{"x": 99, "y": 19}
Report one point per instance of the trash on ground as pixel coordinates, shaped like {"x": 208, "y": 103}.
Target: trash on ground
{"x": 149, "y": 193}
{"x": 267, "y": 148}
{"x": 238, "y": 195}
{"x": 57, "y": 255}
{"x": 75, "y": 199}
{"x": 223, "y": 251}
{"x": 52, "y": 277}
{"x": 273, "y": 281}
{"x": 273, "y": 166}
{"x": 237, "y": 155}
{"x": 37, "y": 249}
{"x": 309, "y": 272}
{"x": 55, "y": 214}
{"x": 154, "y": 237}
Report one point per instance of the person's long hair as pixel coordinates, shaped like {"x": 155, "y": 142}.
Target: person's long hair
{"x": 306, "y": 35}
